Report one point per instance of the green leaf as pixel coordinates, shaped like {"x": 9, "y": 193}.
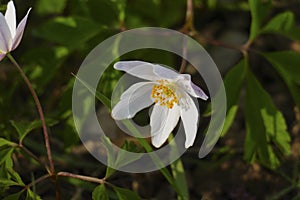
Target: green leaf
{"x": 5, "y": 154}
{"x": 14, "y": 196}
{"x": 110, "y": 156}
{"x": 154, "y": 157}
{"x": 283, "y": 24}
{"x": 32, "y": 196}
{"x": 46, "y": 65}
{"x": 127, "y": 123}
{"x": 259, "y": 10}
{"x": 276, "y": 128}
{"x": 6, "y": 182}
{"x": 108, "y": 10}
{"x": 100, "y": 193}
{"x": 121, "y": 160}
{"x": 180, "y": 179}
{"x": 178, "y": 172}
{"x": 15, "y": 176}
{"x": 233, "y": 83}
{"x": 99, "y": 96}
{"x": 286, "y": 64}
{"x": 265, "y": 125}
{"x": 5, "y": 142}
{"x": 50, "y": 7}
{"x": 23, "y": 128}
{"x": 5, "y": 167}
{"x": 125, "y": 194}
{"x": 69, "y": 31}
{"x": 121, "y": 5}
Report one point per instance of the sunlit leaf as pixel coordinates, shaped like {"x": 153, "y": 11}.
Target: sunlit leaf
{"x": 233, "y": 83}
{"x": 99, "y": 96}
{"x": 13, "y": 196}
{"x": 121, "y": 5}
{"x": 259, "y": 10}
{"x": 283, "y": 24}
{"x": 265, "y": 125}
{"x": 149, "y": 149}
{"x": 15, "y": 176}
{"x": 32, "y": 196}
{"x": 137, "y": 17}
{"x": 276, "y": 128}
{"x": 287, "y": 65}
{"x": 5, "y": 142}
{"x": 5, "y": 154}
{"x": 109, "y": 12}
{"x": 5, "y": 182}
{"x": 122, "y": 159}
{"x": 100, "y": 193}
{"x": 178, "y": 172}
{"x": 69, "y": 31}
{"x": 125, "y": 194}
{"x": 23, "y": 128}
{"x": 50, "y": 7}
{"x": 46, "y": 65}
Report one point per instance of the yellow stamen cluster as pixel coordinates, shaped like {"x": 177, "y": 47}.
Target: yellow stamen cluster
{"x": 164, "y": 94}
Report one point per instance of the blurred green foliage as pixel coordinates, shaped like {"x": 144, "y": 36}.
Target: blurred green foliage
{"x": 60, "y": 33}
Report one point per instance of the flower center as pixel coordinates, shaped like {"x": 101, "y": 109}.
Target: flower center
{"x": 164, "y": 94}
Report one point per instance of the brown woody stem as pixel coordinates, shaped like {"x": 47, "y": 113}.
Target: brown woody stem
{"x": 40, "y": 111}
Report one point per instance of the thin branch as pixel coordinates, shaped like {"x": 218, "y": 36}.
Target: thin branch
{"x": 225, "y": 45}
{"x": 188, "y": 28}
{"x": 184, "y": 54}
{"x": 84, "y": 178}
{"x": 189, "y": 25}
{"x": 40, "y": 111}
{"x": 189, "y": 17}
{"x": 38, "y": 180}
{"x": 57, "y": 189}
{"x": 28, "y": 152}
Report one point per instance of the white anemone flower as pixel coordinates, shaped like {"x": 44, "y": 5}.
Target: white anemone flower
{"x": 10, "y": 34}
{"x": 169, "y": 91}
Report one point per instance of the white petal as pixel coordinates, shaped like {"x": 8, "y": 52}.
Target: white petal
{"x": 133, "y": 89}
{"x": 169, "y": 120}
{"x": 5, "y": 36}
{"x": 186, "y": 84}
{"x": 10, "y": 17}
{"x": 146, "y": 70}
{"x": 139, "y": 69}
{"x": 189, "y": 116}
{"x": 134, "y": 100}
{"x": 165, "y": 72}
{"x": 20, "y": 31}
{"x": 158, "y": 118}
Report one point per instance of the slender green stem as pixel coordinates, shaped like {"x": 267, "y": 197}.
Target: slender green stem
{"x": 40, "y": 111}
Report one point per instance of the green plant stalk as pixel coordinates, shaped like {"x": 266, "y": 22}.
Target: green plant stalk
{"x": 148, "y": 148}
{"x": 142, "y": 141}
{"x": 178, "y": 172}
{"x": 40, "y": 111}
